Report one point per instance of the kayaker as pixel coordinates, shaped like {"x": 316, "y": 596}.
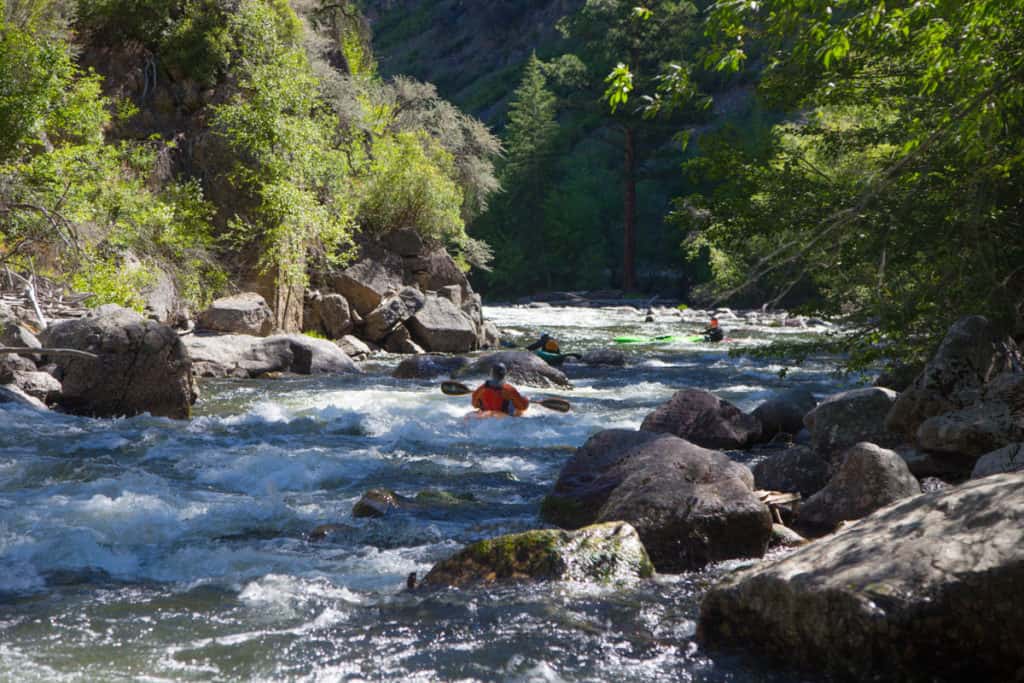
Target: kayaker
{"x": 545, "y": 343}
{"x": 713, "y": 333}
{"x": 495, "y": 395}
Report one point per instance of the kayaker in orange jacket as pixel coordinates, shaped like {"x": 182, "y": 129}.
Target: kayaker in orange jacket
{"x": 495, "y": 395}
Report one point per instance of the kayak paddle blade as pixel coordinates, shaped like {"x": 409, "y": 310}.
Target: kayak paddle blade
{"x": 451, "y": 388}
{"x": 557, "y": 404}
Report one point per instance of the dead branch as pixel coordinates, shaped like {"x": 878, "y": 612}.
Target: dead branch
{"x": 23, "y": 351}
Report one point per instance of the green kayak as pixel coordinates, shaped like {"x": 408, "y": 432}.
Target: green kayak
{"x": 663, "y": 339}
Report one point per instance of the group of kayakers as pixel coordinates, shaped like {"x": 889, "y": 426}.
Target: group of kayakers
{"x": 498, "y": 397}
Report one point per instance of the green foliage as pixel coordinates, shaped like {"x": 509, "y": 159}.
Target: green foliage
{"x": 111, "y": 283}
{"x": 532, "y": 127}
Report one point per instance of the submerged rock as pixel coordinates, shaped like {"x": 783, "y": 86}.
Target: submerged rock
{"x": 927, "y": 589}
{"x": 143, "y": 367}
{"x": 605, "y": 553}
{"x": 690, "y": 505}
{"x": 704, "y": 419}
{"x": 604, "y": 357}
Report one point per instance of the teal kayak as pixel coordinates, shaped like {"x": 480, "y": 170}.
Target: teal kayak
{"x": 553, "y": 359}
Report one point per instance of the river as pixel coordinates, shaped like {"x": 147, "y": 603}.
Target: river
{"x": 149, "y": 549}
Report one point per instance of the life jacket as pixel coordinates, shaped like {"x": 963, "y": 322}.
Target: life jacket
{"x": 551, "y": 346}
{"x": 492, "y": 397}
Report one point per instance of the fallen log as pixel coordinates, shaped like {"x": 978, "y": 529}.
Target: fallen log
{"x": 25, "y": 351}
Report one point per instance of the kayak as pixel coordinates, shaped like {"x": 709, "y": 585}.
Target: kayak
{"x": 663, "y": 339}
{"x": 551, "y": 358}
{"x": 487, "y": 414}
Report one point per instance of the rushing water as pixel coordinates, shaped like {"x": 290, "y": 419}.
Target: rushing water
{"x": 149, "y": 549}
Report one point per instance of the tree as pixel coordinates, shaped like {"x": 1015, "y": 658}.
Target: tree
{"x": 532, "y": 128}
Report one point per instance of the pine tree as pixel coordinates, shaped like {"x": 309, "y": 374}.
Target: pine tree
{"x": 532, "y": 128}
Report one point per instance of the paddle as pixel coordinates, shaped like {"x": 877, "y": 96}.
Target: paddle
{"x": 451, "y": 388}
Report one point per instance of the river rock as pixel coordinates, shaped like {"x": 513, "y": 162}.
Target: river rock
{"x": 434, "y": 269}
{"x": 605, "y": 553}
{"x": 143, "y": 366}
{"x": 353, "y": 347}
{"x": 400, "y": 341}
{"x": 12, "y": 333}
{"x": 40, "y": 385}
{"x": 796, "y": 470}
{"x": 1007, "y": 459}
{"x": 704, "y": 419}
{"x": 943, "y": 466}
{"x": 248, "y": 356}
{"x": 604, "y": 358}
{"x": 690, "y": 505}
{"x": 523, "y": 368}
{"x": 381, "y": 321}
{"x": 12, "y": 393}
{"x": 377, "y": 503}
{"x": 869, "y": 478}
{"x": 970, "y": 355}
{"x": 490, "y": 336}
{"x": 365, "y": 282}
{"x": 441, "y": 326}
{"x": 972, "y": 431}
{"x": 329, "y": 314}
{"x": 784, "y": 412}
{"x": 12, "y": 365}
{"x": 847, "y": 418}
{"x": 429, "y": 366}
{"x": 927, "y": 589}
{"x": 246, "y": 313}
{"x": 784, "y": 537}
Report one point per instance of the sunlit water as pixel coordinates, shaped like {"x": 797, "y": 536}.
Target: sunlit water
{"x": 149, "y": 549}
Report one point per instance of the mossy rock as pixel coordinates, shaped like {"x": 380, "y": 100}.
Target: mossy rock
{"x": 377, "y": 503}
{"x": 438, "y": 497}
{"x": 605, "y": 553}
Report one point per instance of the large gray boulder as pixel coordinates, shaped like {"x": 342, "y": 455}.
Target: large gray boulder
{"x": 247, "y": 356}
{"x": 12, "y": 394}
{"x": 1007, "y": 459}
{"x": 784, "y": 412}
{"x": 440, "y": 326}
{"x": 927, "y": 589}
{"x": 847, "y": 418}
{"x": 971, "y": 355}
{"x": 365, "y": 283}
{"x": 603, "y": 553}
{"x": 13, "y": 333}
{"x": 392, "y": 311}
{"x": 993, "y": 421}
{"x": 704, "y": 419}
{"x": 523, "y": 368}
{"x": 429, "y": 366}
{"x": 434, "y": 269}
{"x": 690, "y": 505}
{"x": 796, "y": 470}
{"x": 328, "y": 314}
{"x": 604, "y": 358}
{"x": 869, "y": 478}
{"x": 143, "y": 367}
{"x": 245, "y": 313}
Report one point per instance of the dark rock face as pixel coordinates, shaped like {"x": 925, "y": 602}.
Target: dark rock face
{"x": 393, "y": 310}
{"x": 605, "y": 553}
{"x": 927, "y": 589}
{"x": 440, "y": 326}
{"x": 868, "y": 479}
{"x": 365, "y": 282}
{"x": 969, "y": 357}
{"x": 246, "y": 356}
{"x": 429, "y": 366}
{"x": 377, "y": 503}
{"x": 691, "y": 506}
{"x": 523, "y": 368}
{"x": 784, "y": 413}
{"x": 246, "y": 313}
{"x": 795, "y": 470}
{"x": 850, "y": 417}
{"x": 142, "y": 366}
{"x": 1007, "y": 459}
{"x": 704, "y": 419}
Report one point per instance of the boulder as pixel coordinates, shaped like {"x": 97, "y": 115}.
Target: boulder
{"x": 796, "y": 470}
{"x": 972, "y": 431}
{"x": 604, "y": 358}
{"x": 429, "y": 366}
{"x": 1007, "y": 459}
{"x": 435, "y": 269}
{"x": 946, "y": 467}
{"x": 246, "y": 313}
{"x": 40, "y": 385}
{"x": 13, "y": 364}
{"x": 604, "y": 553}
{"x": 440, "y": 326}
{"x": 11, "y": 393}
{"x": 405, "y": 242}
{"x": 452, "y": 293}
{"x": 12, "y": 333}
{"x": 784, "y": 537}
{"x": 248, "y": 356}
{"x": 400, "y": 341}
{"x": 334, "y": 315}
{"x": 395, "y": 309}
{"x": 143, "y": 366}
{"x": 704, "y": 419}
{"x": 523, "y": 368}
{"x": 690, "y": 505}
{"x": 364, "y": 283}
{"x": 869, "y": 478}
{"x": 377, "y": 503}
{"x": 490, "y": 336}
{"x": 784, "y": 412}
{"x": 847, "y": 418}
{"x": 353, "y": 347}
{"x": 924, "y": 590}
{"x": 970, "y": 355}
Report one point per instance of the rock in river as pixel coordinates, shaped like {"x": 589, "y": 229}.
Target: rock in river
{"x": 927, "y": 589}
{"x": 523, "y": 368}
{"x": 704, "y": 419}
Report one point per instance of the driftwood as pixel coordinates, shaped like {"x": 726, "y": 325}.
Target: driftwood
{"x": 24, "y": 351}
{"x": 778, "y": 499}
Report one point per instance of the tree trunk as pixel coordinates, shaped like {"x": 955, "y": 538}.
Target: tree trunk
{"x": 629, "y": 217}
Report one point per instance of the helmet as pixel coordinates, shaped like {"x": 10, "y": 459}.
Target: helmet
{"x": 545, "y": 336}
{"x": 498, "y": 372}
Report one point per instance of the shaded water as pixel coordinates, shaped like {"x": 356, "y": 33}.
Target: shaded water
{"x": 148, "y": 549}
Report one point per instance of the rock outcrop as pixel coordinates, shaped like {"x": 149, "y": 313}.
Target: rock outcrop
{"x": 143, "y": 367}
{"x": 245, "y": 313}
{"x": 247, "y": 356}
{"x": 1007, "y": 459}
{"x": 392, "y": 310}
{"x": 523, "y": 368}
{"x": 690, "y": 505}
{"x": 869, "y": 478}
{"x": 441, "y": 326}
{"x": 704, "y": 419}
{"x": 850, "y": 417}
{"x": 604, "y": 553}
{"x": 925, "y": 590}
